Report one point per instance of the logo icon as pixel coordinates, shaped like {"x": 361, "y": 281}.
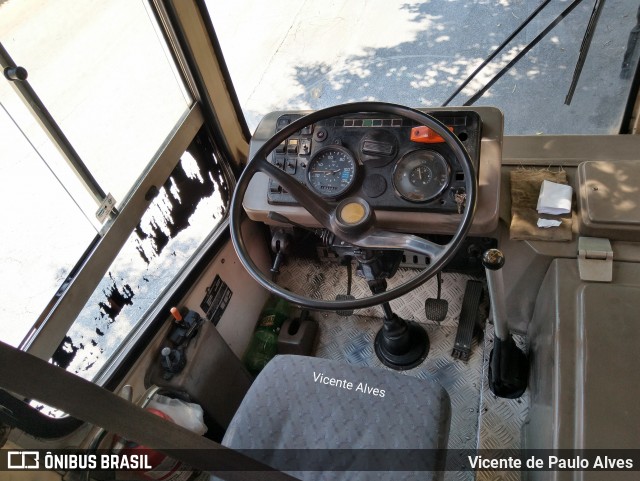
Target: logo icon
{"x": 23, "y": 460}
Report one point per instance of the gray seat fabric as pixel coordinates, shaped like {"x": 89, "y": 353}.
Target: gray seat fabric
{"x": 300, "y": 403}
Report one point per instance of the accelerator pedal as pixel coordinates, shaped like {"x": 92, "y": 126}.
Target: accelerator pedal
{"x": 468, "y": 319}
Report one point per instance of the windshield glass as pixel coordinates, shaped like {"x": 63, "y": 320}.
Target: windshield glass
{"x": 316, "y": 53}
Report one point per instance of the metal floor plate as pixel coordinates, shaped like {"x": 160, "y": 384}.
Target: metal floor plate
{"x": 479, "y": 419}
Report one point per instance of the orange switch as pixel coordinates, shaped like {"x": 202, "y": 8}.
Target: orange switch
{"x": 425, "y": 135}
{"x": 176, "y": 314}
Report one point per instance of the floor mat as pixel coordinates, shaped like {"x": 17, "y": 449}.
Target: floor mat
{"x": 327, "y": 280}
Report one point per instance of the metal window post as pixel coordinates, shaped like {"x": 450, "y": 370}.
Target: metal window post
{"x": 18, "y": 78}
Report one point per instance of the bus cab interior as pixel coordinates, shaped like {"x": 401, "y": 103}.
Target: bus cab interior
{"x": 452, "y": 234}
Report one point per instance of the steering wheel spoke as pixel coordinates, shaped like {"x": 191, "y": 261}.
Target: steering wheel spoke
{"x": 381, "y": 239}
{"x": 320, "y": 209}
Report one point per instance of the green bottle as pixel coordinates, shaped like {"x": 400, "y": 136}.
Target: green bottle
{"x": 264, "y": 343}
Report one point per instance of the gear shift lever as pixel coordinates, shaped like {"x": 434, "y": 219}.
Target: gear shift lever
{"x": 508, "y": 365}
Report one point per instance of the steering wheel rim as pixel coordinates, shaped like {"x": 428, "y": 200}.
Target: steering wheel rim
{"x": 439, "y": 255}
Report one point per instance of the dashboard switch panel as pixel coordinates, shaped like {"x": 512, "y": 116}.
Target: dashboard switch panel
{"x": 391, "y": 162}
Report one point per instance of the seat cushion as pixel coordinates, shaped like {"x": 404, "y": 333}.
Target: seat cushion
{"x": 301, "y": 403}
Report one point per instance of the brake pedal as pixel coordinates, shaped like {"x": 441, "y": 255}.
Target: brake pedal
{"x": 468, "y": 320}
{"x": 436, "y": 309}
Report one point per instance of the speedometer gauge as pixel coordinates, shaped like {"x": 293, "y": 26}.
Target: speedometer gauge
{"x": 421, "y": 175}
{"x": 332, "y": 171}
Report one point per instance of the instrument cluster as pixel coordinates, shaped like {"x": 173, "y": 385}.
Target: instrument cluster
{"x": 389, "y": 161}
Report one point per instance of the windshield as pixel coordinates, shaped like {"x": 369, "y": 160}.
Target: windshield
{"x": 316, "y": 53}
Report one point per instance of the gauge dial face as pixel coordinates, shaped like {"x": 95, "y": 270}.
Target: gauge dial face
{"x": 332, "y": 171}
{"x": 421, "y": 175}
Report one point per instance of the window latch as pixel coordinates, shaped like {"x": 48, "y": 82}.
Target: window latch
{"x": 595, "y": 259}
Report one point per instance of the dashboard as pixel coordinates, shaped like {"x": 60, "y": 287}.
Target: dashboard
{"x": 405, "y": 171}
{"x": 391, "y": 162}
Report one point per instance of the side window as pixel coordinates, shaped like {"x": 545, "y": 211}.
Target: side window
{"x": 45, "y": 230}
{"x": 105, "y": 75}
{"x": 187, "y": 207}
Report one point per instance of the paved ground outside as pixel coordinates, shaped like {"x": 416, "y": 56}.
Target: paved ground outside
{"x": 315, "y": 53}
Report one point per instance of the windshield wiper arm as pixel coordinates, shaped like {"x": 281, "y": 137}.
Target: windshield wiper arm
{"x": 584, "y": 49}
{"x": 522, "y": 53}
{"x": 634, "y": 35}
{"x": 493, "y": 54}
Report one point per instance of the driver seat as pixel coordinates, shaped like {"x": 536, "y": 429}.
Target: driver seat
{"x": 321, "y": 419}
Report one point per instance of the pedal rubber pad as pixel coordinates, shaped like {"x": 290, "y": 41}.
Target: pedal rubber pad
{"x": 468, "y": 319}
{"x": 436, "y": 309}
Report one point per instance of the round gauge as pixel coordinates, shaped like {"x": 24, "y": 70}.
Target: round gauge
{"x": 421, "y": 175}
{"x": 332, "y": 171}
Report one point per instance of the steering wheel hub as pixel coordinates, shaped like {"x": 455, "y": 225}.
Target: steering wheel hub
{"x": 354, "y": 216}
{"x": 352, "y": 213}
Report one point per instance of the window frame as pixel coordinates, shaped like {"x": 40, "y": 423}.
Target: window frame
{"x": 190, "y": 38}
{"x": 43, "y": 340}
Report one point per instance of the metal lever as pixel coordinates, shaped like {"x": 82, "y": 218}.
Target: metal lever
{"x": 508, "y": 365}
{"x": 281, "y": 245}
{"x": 493, "y": 261}
{"x": 284, "y": 220}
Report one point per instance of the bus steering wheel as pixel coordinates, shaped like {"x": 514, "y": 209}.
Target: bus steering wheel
{"x": 352, "y": 219}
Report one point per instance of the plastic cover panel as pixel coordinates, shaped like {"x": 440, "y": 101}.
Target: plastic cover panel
{"x": 608, "y": 396}
{"x": 610, "y": 194}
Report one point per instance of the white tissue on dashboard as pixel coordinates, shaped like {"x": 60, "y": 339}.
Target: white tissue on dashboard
{"x": 554, "y": 199}
{"x": 546, "y": 223}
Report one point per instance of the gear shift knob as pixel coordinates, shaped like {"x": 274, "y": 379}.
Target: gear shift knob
{"x": 493, "y": 259}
